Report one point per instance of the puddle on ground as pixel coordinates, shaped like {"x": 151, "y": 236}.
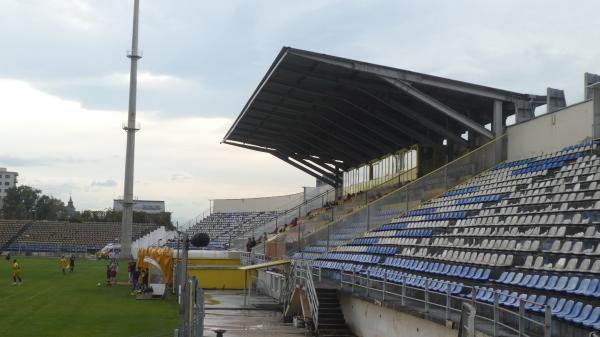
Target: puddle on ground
{"x": 208, "y": 299}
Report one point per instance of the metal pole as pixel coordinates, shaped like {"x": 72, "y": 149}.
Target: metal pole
{"x": 403, "y": 293}
{"x": 494, "y": 331}
{"x": 298, "y": 225}
{"x": 427, "y": 295}
{"x": 521, "y": 314}
{"x": 127, "y": 220}
{"x": 547, "y": 321}
{"x": 448, "y": 303}
{"x": 384, "y": 283}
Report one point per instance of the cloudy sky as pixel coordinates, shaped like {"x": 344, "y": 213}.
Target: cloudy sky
{"x": 64, "y": 80}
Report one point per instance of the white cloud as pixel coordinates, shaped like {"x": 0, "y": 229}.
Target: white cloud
{"x": 145, "y": 78}
{"x": 177, "y": 160}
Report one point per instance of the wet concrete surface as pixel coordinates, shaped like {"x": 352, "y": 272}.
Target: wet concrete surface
{"x": 260, "y": 317}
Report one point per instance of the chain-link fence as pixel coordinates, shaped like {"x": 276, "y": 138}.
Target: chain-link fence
{"x": 192, "y": 303}
{"x": 343, "y": 224}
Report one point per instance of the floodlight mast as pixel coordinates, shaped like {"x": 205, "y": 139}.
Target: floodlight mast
{"x": 127, "y": 221}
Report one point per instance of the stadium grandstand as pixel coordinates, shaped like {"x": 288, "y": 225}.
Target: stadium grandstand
{"x": 62, "y": 237}
{"x": 222, "y": 227}
{"x": 493, "y": 220}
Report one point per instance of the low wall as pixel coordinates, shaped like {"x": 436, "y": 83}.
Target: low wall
{"x": 550, "y": 132}
{"x": 216, "y": 269}
{"x": 367, "y": 319}
{"x": 273, "y": 203}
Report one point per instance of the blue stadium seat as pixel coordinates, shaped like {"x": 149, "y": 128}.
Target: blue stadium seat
{"x": 575, "y": 311}
{"x": 518, "y": 277}
{"x": 583, "y": 285}
{"x": 562, "y": 283}
{"x": 572, "y": 285}
{"x": 504, "y": 276}
{"x": 552, "y": 282}
{"x": 583, "y": 315}
{"x": 541, "y": 283}
{"x": 522, "y": 281}
{"x": 593, "y": 318}
{"x": 533, "y": 281}
{"x": 566, "y": 309}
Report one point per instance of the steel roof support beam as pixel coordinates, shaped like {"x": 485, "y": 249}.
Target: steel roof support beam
{"x": 316, "y": 165}
{"x": 405, "y": 75}
{"x": 327, "y": 105}
{"x": 434, "y": 103}
{"x": 249, "y": 146}
{"x": 408, "y": 112}
{"x": 390, "y": 103}
{"x": 305, "y": 105}
{"x": 307, "y": 122}
{"x": 401, "y": 128}
{"x": 298, "y": 138}
{"x": 329, "y": 180}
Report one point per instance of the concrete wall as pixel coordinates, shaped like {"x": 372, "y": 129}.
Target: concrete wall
{"x": 275, "y": 203}
{"x": 550, "y": 132}
{"x": 366, "y": 319}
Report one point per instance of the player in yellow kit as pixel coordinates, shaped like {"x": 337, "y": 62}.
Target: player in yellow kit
{"x": 63, "y": 264}
{"x": 16, "y": 267}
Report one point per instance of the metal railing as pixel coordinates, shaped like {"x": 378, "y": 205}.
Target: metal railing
{"x": 304, "y": 272}
{"x": 335, "y": 211}
{"x": 192, "y": 318}
{"x": 376, "y": 211}
{"x": 247, "y": 259}
{"x": 491, "y": 318}
{"x": 288, "y": 287}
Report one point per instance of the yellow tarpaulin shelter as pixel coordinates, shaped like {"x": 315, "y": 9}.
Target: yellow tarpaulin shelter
{"x": 162, "y": 255}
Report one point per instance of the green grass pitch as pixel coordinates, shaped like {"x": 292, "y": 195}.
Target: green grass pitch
{"x": 50, "y": 304}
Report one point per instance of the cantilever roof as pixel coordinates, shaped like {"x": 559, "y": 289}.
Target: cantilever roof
{"x": 325, "y": 114}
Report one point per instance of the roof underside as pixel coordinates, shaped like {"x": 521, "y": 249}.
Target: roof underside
{"x": 317, "y": 111}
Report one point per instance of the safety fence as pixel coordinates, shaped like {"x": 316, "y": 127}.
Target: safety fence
{"x": 192, "y": 316}
{"x": 443, "y": 301}
{"x": 378, "y": 208}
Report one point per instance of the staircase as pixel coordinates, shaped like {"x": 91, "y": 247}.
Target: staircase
{"x": 15, "y": 237}
{"x": 331, "y": 319}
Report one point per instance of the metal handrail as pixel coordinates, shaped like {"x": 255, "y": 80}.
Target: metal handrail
{"x": 393, "y": 178}
{"x": 306, "y": 267}
{"x": 369, "y": 284}
{"x": 288, "y": 286}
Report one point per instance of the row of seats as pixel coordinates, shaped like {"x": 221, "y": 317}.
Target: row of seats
{"x": 401, "y": 233}
{"x": 574, "y": 247}
{"x": 467, "y": 272}
{"x": 362, "y": 258}
{"x": 480, "y": 199}
{"x": 546, "y": 164}
{"x": 412, "y": 280}
{"x": 569, "y": 284}
{"x": 562, "y": 264}
{"x": 523, "y": 207}
{"x": 459, "y": 191}
{"x": 561, "y": 308}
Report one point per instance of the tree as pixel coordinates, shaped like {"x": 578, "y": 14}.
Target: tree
{"x": 50, "y": 208}
{"x": 19, "y": 202}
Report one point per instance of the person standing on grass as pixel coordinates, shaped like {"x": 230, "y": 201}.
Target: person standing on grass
{"x": 63, "y": 264}
{"x": 129, "y": 271}
{"x": 113, "y": 274}
{"x": 16, "y": 267}
{"x": 72, "y": 263}
{"x": 145, "y": 278}
{"x": 135, "y": 279}
{"x": 108, "y": 272}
